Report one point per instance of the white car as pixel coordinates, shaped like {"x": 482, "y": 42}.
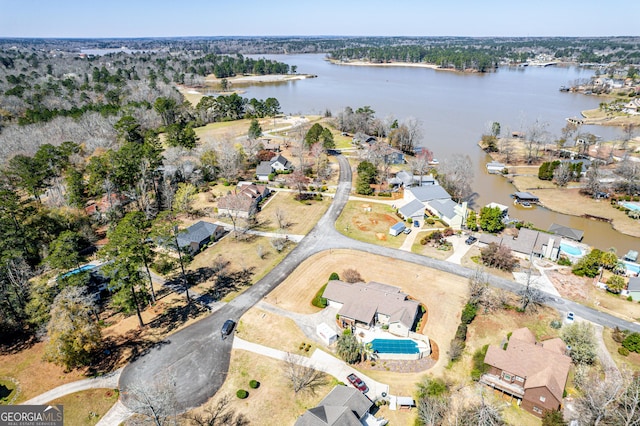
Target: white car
{"x": 570, "y": 317}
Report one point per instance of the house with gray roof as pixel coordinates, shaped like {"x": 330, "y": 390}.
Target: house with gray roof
{"x": 372, "y": 303}
{"x": 263, "y": 171}
{"x": 413, "y": 209}
{"x": 343, "y": 406}
{"x": 452, "y": 213}
{"x": 526, "y": 244}
{"x": 634, "y": 288}
{"x": 281, "y": 164}
{"x": 199, "y": 235}
{"x": 407, "y": 179}
{"x": 426, "y": 193}
{"x": 566, "y": 232}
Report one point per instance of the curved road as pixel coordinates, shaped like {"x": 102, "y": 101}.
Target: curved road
{"x": 195, "y": 360}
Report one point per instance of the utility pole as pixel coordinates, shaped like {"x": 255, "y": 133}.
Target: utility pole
{"x": 184, "y": 276}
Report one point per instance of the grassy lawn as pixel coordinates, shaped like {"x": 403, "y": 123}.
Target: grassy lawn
{"x": 630, "y": 362}
{"x": 87, "y": 407}
{"x": 428, "y": 250}
{"x": 244, "y": 266}
{"x": 274, "y": 331}
{"x": 301, "y": 216}
{"x": 369, "y": 222}
{"x": 273, "y": 402}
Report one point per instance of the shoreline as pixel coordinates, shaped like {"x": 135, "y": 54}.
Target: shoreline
{"x": 595, "y": 117}
{"x": 267, "y": 78}
{"x": 397, "y": 64}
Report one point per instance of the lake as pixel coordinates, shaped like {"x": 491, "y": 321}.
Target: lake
{"x": 455, "y": 109}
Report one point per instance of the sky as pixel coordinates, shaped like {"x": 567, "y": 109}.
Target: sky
{"x": 174, "y": 18}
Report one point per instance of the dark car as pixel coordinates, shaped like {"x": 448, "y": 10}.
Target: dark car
{"x": 471, "y": 240}
{"x": 358, "y": 383}
{"x": 227, "y": 328}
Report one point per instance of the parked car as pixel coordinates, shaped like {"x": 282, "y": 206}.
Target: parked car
{"x": 358, "y": 383}
{"x": 227, "y": 328}
{"x": 407, "y": 230}
{"x": 416, "y": 224}
{"x": 471, "y": 240}
{"x": 570, "y": 317}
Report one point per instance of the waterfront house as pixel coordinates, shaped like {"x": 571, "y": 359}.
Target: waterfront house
{"x": 526, "y": 244}
{"x": 413, "y": 209}
{"x": 535, "y": 373}
{"x": 452, "y": 213}
{"x": 370, "y": 304}
{"x": 566, "y": 232}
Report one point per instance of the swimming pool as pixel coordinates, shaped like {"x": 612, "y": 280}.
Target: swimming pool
{"x": 83, "y": 268}
{"x": 394, "y": 346}
{"x": 631, "y": 206}
{"x": 632, "y": 267}
{"x": 570, "y": 250}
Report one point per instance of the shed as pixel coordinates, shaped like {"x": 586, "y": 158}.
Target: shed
{"x": 405, "y": 402}
{"x": 634, "y": 288}
{"x": 397, "y": 229}
{"x": 326, "y": 333}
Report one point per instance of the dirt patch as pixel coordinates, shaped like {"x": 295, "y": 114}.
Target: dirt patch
{"x": 570, "y": 286}
{"x": 381, "y": 236}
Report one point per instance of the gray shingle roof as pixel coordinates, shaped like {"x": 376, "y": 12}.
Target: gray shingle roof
{"x": 429, "y": 192}
{"x": 445, "y": 208}
{"x": 565, "y": 231}
{"x": 634, "y": 284}
{"x": 343, "y": 406}
{"x": 196, "y": 233}
{"x": 412, "y": 208}
{"x": 264, "y": 168}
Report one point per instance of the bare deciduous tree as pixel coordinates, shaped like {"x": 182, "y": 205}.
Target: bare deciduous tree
{"x": 351, "y": 275}
{"x": 153, "y": 402}
{"x": 456, "y": 176}
{"x": 597, "y": 404}
{"x": 219, "y": 414}
{"x": 302, "y": 376}
{"x": 281, "y": 218}
{"x": 530, "y": 295}
{"x": 562, "y": 174}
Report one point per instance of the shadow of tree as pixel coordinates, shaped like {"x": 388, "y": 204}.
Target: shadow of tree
{"x": 175, "y": 316}
{"x": 17, "y": 342}
{"x": 229, "y": 282}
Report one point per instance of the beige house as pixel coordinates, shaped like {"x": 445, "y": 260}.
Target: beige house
{"x": 244, "y": 202}
{"x": 372, "y": 304}
{"x": 526, "y": 244}
{"x": 533, "y": 372}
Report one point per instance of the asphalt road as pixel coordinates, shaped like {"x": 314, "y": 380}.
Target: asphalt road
{"x": 195, "y": 360}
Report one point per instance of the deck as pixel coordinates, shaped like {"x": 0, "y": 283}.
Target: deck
{"x": 496, "y": 383}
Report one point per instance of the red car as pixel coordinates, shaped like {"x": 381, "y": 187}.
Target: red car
{"x": 358, "y": 383}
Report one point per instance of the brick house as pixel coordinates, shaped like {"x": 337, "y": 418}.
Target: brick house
{"x": 533, "y": 372}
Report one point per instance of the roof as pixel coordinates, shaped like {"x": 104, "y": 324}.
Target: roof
{"x": 342, "y": 406}
{"x": 398, "y": 226}
{"x": 565, "y": 231}
{"x": 282, "y": 160}
{"x": 264, "y": 168}
{"x": 631, "y": 255}
{"x": 412, "y": 208}
{"x": 429, "y": 192}
{"x": 541, "y": 365}
{"x": 196, "y": 233}
{"x": 634, "y": 284}
{"x": 528, "y": 241}
{"x": 495, "y": 165}
{"x": 526, "y": 196}
{"x": 445, "y": 208}
{"x": 362, "y": 301}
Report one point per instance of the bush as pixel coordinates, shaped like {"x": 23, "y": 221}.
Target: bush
{"x": 468, "y": 313}
{"x": 319, "y": 301}
{"x": 623, "y": 351}
{"x": 556, "y": 324}
{"x": 164, "y": 265}
{"x": 334, "y": 276}
{"x": 630, "y": 298}
{"x": 564, "y": 261}
{"x": 254, "y": 384}
{"x": 242, "y": 394}
{"x": 479, "y": 367}
{"x": 632, "y": 342}
{"x": 430, "y": 221}
{"x": 461, "y": 332}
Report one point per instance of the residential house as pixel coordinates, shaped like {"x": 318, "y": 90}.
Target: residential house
{"x": 281, "y": 164}
{"x": 413, "y": 209}
{"x": 634, "y": 288}
{"x": 535, "y": 373}
{"x": 263, "y": 171}
{"x": 407, "y": 179}
{"x": 526, "y": 244}
{"x": 343, "y": 406}
{"x": 371, "y": 304}
{"x": 439, "y": 203}
{"x": 244, "y": 202}
{"x": 452, "y": 213}
{"x": 199, "y": 235}
{"x": 394, "y": 156}
{"x": 495, "y": 167}
{"x": 361, "y": 138}
{"x": 566, "y": 232}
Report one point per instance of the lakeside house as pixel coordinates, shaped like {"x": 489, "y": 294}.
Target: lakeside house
{"x": 372, "y": 303}
{"x": 438, "y": 202}
{"x": 407, "y": 179}
{"x": 535, "y": 373}
{"x": 566, "y": 232}
{"x": 526, "y": 244}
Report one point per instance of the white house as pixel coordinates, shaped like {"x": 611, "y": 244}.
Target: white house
{"x": 281, "y": 164}
{"x": 452, "y": 213}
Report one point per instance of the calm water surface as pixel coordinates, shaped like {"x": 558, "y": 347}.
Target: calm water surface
{"x": 455, "y": 109}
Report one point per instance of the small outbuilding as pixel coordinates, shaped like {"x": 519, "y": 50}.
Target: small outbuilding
{"x": 326, "y": 333}
{"x": 495, "y": 167}
{"x": 397, "y": 229}
{"x": 521, "y": 197}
